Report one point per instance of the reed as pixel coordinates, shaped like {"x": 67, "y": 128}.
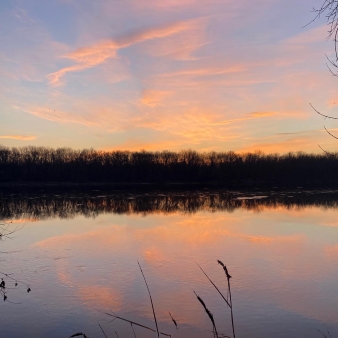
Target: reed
{"x": 324, "y": 335}
{"x": 103, "y": 331}
{"x": 229, "y": 290}
{"x": 215, "y": 286}
{"x": 151, "y": 300}
{"x": 174, "y": 321}
{"x": 78, "y": 334}
{"x": 133, "y": 330}
{"x": 134, "y": 323}
{"x": 210, "y": 315}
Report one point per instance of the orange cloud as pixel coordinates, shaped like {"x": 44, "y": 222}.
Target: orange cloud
{"x": 60, "y": 116}
{"x": 205, "y": 71}
{"x": 19, "y": 137}
{"x": 153, "y": 255}
{"x": 100, "y": 297}
{"x": 248, "y": 116}
{"x": 195, "y": 125}
{"x": 153, "y": 98}
{"x": 136, "y": 145}
{"x": 91, "y": 56}
{"x": 178, "y": 242}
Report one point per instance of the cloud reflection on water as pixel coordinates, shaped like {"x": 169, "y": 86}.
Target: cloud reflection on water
{"x": 280, "y": 256}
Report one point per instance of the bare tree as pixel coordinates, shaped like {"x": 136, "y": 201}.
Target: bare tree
{"x": 329, "y": 9}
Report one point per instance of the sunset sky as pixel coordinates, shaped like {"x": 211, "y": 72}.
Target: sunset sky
{"x": 172, "y": 74}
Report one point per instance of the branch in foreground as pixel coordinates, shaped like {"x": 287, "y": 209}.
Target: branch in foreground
{"x": 326, "y": 116}
{"x": 326, "y": 152}
{"x": 330, "y": 133}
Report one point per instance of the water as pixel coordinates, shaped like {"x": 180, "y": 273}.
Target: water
{"x": 79, "y": 253}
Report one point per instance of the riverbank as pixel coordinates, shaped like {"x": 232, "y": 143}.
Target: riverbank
{"x": 170, "y": 186}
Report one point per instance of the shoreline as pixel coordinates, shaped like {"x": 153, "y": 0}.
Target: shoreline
{"x": 169, "y": 186}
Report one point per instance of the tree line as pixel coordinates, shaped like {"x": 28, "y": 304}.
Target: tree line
{"x": 41, "y": 164}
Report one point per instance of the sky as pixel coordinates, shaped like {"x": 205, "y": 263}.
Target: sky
{"x": 208, "y": 75}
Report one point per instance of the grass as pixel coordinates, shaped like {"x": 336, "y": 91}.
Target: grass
{"x": 216, "y": 334}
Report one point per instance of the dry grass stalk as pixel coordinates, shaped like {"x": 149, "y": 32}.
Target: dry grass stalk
{"x": 174, "y": 321}
{"x": 210, "y": 315}
{"x": 78, "y": 335}
{"x": 324, "y": 335}
{"x": 103, "y": 331}
{"x": 214, "y": 286}
{"x": 229, "y": 290}
{"x": 151, "y": 300}
{"x": 133, "y": 330}
{"x": 134, "y": 323}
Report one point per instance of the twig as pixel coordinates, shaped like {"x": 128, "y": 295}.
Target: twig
{"x": 330, "y": 133}
{"x": 326, "y": 116}
{"x": 14, "y": 279}
{"x": 326, "y": 152}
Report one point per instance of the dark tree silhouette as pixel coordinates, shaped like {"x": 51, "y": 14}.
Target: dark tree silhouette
{"x": 39, "y": 164}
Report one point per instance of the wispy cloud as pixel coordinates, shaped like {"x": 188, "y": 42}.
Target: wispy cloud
{"x": 205, "y": 71}
{"x": 60, "y": 116}
{"x": 153, "y": 98}
{"x": 19, "y": 137}
{"x": 277, "y": 146}
{"x": 249, "y": 116}
{"x": 91, "y": 56}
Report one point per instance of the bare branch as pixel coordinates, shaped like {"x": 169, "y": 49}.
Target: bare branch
{"x": 330, "y": 133}
{"x": 326, "y": 116}
{"x": 326, "y": 152}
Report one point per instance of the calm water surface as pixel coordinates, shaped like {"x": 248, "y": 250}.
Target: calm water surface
{"x": 79, "y": 253}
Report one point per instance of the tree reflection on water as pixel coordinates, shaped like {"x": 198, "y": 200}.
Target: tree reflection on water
{"x": 67, "y": 206}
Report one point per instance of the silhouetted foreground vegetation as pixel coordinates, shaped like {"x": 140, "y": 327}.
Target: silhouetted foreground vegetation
{"x": 7, "y": 230}
{"x": 44, "y": 206}
{"x": 214, "y": 333}
{"x": 38, "y": 164}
